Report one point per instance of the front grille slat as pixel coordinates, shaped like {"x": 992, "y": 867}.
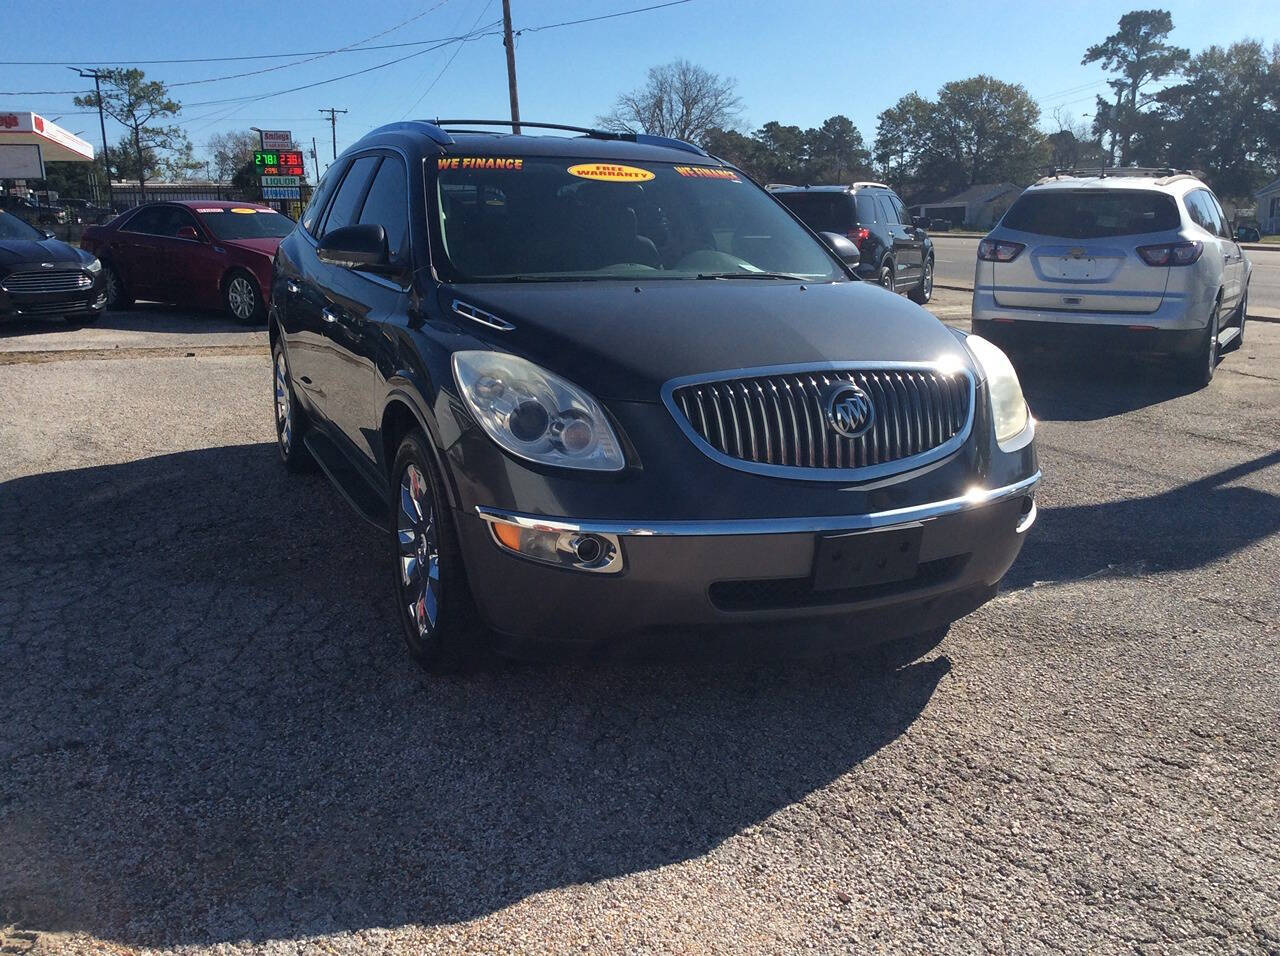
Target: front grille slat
{"x": 778, "y": 420}
{"x": 39, "y": 283}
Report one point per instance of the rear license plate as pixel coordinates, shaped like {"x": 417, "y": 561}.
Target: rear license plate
{"x": 1072, "y": 268}
{"x": 859, "y": 558}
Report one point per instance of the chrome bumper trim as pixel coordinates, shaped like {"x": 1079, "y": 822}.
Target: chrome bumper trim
{"x": 976, "y": 498}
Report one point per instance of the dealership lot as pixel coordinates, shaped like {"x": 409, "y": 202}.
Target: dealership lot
{"x": 210, "y": 732}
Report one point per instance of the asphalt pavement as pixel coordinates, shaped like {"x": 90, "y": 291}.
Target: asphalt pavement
{"x": 955, "y": 257}
{"x": 212, "y": 740}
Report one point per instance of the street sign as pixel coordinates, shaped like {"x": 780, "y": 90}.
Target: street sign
{"x": 286, "y": 162}
{"x": 281, "y": 192}
{"x": 276, "y": 138}
{"x": 280, "y": 180}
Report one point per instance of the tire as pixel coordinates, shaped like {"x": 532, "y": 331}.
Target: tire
{"x": 922, "y": 293}
{"x": 118, "y": 296}
{"x": 1196, "y": 369}
{"x": 885, "y": 275}
{"x": 1244, "y": 315}
{"x": 433, "y": 601}
{"x": 242, "y": 299}
{"x": 291, "y": 420}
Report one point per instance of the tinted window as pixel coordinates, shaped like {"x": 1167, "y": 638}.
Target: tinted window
{"x": 887, "y": 212}
{"x": 899, "y": 210}
{"x": 388, "y": 205}
{"x": 315, "y": 208}
{"x": 1224, "y": 225}
{"x": 247, "y": 222}
{"x": 347, "y": 201}
{"x": 1081, "y": 214}
{"x": 1203, "y": 210}
{"x": 868, "y": 211}
{"x": 502, "y": 218}
{"x": 152, "y": 220}
{"x": 821, "y": 212}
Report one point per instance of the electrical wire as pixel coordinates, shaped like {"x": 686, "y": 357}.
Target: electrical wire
{"x": 448, "y": 63}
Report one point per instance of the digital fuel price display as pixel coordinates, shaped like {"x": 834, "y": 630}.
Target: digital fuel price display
{"x": 283, "y": 162}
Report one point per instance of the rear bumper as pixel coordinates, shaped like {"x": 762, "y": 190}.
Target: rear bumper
{"x": 752, "y": 575}
{"x": 1177, "y": 312}
{"x": 1138, "y": 337}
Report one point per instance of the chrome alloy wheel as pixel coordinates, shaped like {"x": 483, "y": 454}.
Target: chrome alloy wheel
{"x": 241, "y": 299}
{"x": 419, "y": 552}
{"x": 926, "y": 286}
{"x": 284, "y": 407}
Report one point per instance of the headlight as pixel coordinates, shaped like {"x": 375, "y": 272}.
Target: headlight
{"x": 93, "y": 266}
{"x": 1008, "y": 407}
{"x": 536, "y": 415}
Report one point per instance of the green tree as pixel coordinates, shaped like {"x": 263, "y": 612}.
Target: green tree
{"x": 1139, "y": 55}
{"x": 678, "y": 99}
{"x": 743, "y": 151}
{"x": 230, "y": 151}
{"x": 900, "y": 136}
{"x": 785, "y": 152}
{"x": 140, "y": 106}
{"x": 836, "y": 152}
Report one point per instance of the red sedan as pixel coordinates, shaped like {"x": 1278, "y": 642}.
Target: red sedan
{"x": 201, "y": 253}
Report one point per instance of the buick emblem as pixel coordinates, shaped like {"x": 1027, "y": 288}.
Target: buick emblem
{"x": 849, "y": 410}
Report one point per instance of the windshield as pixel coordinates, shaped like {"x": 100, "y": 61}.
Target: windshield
{"x": 11, "y": 227}
{"x": 504, "y": 218}
{"x": 1093, "y": 215}
{"x": 245, "y": 222}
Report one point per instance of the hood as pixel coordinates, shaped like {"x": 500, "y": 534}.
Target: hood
{"x": 15, "y": 251}
{"x": 623, "y": 340}
{"x": 266, "y": 246}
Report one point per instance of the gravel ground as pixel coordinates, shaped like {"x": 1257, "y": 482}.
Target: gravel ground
{"x": 211, "y": 739}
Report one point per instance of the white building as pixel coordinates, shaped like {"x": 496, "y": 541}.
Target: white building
{"x": 1269, "y": 207}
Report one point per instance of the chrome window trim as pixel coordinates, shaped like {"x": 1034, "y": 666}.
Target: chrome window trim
{"x": 865, "y": 473}
{"x": 977, "y": 498}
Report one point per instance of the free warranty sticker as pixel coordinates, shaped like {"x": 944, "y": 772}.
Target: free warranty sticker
{"x": 611, "y": 173}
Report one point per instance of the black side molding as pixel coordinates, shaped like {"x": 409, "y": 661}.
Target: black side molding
{"x": 366, "y": 501}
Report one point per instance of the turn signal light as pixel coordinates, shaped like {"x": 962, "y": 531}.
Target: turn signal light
{"x": 1171, "y": 253}
{"x": 997, "y": 250}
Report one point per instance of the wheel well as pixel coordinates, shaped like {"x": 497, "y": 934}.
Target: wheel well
{"x": 397, "y": 421}
{"x": 236, "y": 270}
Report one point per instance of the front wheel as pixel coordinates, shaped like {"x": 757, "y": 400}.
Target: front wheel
{"x": 242, "y": 300}
{"x": 118, "y": 296}
{"x": 291, "y": 421}
{"x": 924, "y": 291}
{"x": 435, "y": 605}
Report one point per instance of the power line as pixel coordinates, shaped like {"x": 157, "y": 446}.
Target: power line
{"x": 333, "y": 125}
{"x": 448, "y": 63}
{"x": 606, "y": 16}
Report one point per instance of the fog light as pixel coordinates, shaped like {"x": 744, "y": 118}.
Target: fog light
{"x": 560, "y": 546}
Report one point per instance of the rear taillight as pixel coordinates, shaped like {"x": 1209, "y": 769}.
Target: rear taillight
{"x": 996, "y": 250}
{"x": 1171, "y": 253}
{"x": 858, "y": 236}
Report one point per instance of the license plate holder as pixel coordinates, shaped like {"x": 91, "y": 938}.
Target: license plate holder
{"x": 863, "y": 558}
{"x": 1070, "y": 267}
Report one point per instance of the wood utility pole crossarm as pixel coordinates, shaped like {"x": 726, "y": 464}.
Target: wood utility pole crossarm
{"x": 509, "y": 42}
{"x": 102, "y": 124}
{"x": 333, "y": 125}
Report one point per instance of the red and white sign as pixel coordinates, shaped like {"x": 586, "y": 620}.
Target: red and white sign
{"x": 57, "y": 145}
{"x": 276, "y": 138}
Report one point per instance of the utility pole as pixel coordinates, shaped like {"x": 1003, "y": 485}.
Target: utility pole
{"x": 333, "y": 126}
{"x": 102, "y": 124}
{"x": 315, "y": 159}
{"x": 509, "y": 42}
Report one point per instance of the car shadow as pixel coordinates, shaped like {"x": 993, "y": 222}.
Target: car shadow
{"x": 142, "y": 317}
{"x": 210, "y": 731}
{"x": 1150, "y": 534}
{"x": 1082, "y": 388}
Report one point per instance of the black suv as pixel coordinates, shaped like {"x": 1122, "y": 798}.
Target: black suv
{"x": 602, "y": 387}
{"x": 896, "y": 251}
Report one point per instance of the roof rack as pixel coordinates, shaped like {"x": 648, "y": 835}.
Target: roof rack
{"x": 870, "y": 183}
{"x": 644, "y": 139}
{"x": 1161, "y": 173}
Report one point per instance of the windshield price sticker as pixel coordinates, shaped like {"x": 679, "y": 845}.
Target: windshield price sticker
{"x": 611, "y": 173}
{"x": 508, "y": 163}
{"x": 707, "y": 172}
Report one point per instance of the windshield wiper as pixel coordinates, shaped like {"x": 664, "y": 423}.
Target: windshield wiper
{"x": 752, "y": 275}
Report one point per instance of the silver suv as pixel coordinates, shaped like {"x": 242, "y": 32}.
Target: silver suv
{"x": 1138, "y": 259}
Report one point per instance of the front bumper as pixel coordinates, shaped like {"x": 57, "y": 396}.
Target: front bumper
{"x": 681, "y": 577}
{"x": 20, "y": 305}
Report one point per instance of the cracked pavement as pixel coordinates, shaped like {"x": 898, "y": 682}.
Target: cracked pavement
{"x": 211, "y": 738}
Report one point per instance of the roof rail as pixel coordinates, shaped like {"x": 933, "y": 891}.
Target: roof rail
{"x": 644, "y": 139}
{"x": 870, "y": 183}
{"x": 433, "y": 131}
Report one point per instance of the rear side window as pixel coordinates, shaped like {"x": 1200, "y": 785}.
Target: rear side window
{"x": 1098, "y": 214}
{"x": 346, "y": 204}
{"x": 821, "y": 212}
{"x": 315, "y": 209}
{"x": 867, "y": 210}
{"x": 887, "y": 212}
{"x": 1203, "y": 210}
{"x": 151, "y": 221}
{"x": 387, "y": 205}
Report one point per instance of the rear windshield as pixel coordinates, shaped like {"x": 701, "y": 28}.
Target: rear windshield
{"x": 821, "y": 212}
{"x": 504, "y": 218}
{"x": 246, "y": 223}
{"x": 1093, "y": 215}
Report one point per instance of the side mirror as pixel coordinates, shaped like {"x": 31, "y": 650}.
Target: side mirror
{"x": 843, "y": 247}
{"x": 356, "y": 247}
{"x": 188, "y": 232}
{"x": 920, "y": 222}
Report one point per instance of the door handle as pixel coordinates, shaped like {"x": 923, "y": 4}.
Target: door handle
{"x": 292, "y": 287}
{"x": 329, "y": 315}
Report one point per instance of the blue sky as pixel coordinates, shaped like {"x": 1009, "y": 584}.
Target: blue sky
{"x": 819, "y": 58}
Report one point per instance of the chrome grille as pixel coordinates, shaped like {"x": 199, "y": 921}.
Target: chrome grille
{"x": 774, "y": 421}
{"x": 35, "y": 283}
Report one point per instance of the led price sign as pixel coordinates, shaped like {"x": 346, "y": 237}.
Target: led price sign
{"x": 283, "y": 162}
